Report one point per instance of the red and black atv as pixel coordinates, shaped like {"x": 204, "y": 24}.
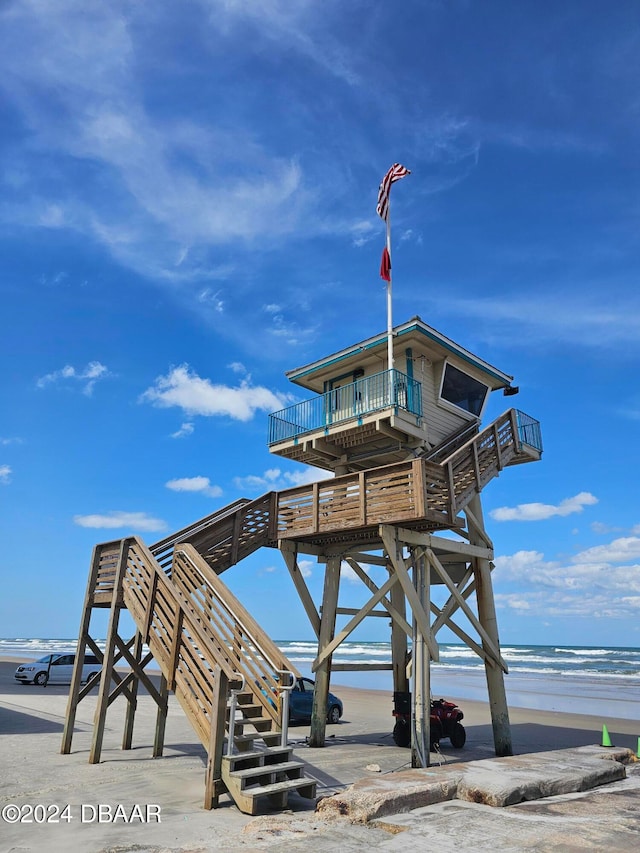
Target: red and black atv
{"x": 444, "y": 722}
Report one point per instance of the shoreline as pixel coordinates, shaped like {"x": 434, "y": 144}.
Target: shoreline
{"x": 476, "y": 713}
{"x": 32, "y": 720}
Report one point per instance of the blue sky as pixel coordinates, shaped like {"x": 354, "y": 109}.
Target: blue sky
{"x": 187, "y": 210}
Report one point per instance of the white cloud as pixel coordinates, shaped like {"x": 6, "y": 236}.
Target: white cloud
{"x": 201, "y": 485}
{"x": 274, "y": 478}
{"x": 603, "y": 529}
{"x": 618, "y": 551}
{"x": 306, "y": 476}
{"x": 208, "y": 297}
{"x": 269, "y": 479}
{"x": 540, "y": 511}
{"x": 5, "y": 474}
{"x": 88, "y": 376}
{"x": 73, "y": 78}
{"x": 6, "y": 441}
{"x": 587, "y": 605}
{"x": 306, "y": 568}
{"x": 603, "y": 581}
{"x": 118, "y": 519}
{"x": 185, "y": 430}
{"x": 183, "y": 388}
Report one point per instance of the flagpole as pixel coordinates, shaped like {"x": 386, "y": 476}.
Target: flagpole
{"x": 394, "y": 174}
{"x": 389, "y": 307}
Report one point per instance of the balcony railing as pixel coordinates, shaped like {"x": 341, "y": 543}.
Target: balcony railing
{"x": 529, "y": 430}
{"x": 389, "y": 389}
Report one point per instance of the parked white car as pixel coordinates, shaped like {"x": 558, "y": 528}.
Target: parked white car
{"x": 56, "y": 669}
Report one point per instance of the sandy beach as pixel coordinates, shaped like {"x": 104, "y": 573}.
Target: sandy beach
{"x": 34, "y": 773}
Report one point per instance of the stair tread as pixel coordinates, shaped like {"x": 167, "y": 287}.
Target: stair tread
{"x": 266, "y": 768}
{"x": 279, "y": 787}
{"x": 273, "y": 751}
{"x": 248, "y": 738}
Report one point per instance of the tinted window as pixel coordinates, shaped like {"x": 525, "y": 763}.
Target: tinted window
{"x": 463, "y": 390}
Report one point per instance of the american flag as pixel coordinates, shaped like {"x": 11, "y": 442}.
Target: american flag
{"x": 394, "y": 174}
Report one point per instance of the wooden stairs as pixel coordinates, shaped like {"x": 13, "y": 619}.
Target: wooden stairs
{"x": 225, "y": 672}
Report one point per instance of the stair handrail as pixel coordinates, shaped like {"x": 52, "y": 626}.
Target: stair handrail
{"x": 453, "y": 439}
{"x": 243, "y": 618}
{"x": 233, "y": 707}
{"x": 478, "y": 437}
{"x": 162, "y": 550}
{"x": 285, "y": 691}
{"x": 255, "y": 654}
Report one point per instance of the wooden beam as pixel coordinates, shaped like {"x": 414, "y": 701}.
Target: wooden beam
{"x": 102, "y": 704}
{"x": 391, "y": 432}
{"x": 83, "y": 637}
{"x": 353, "y": 623}
{"x": 429, "y": 540}
{"x": 289, "y": 554}
{"x": 161, "y": 718}
{"x": 132, "y": 702}
{"x": 323, "y": 673}
{"x": 395, "y": 614}
{"x": 451, "y": 604}
{"x": 214, "y": 786}
{"x": 393, "y": 546}
{"x": 479, "y": 530}
{"x": 490, "y": 647}
{"x": 457, "y": 630}
{"x": 368, "y": 559}
{"x": 326, "y": 448}
{"x": 351, "y": 611}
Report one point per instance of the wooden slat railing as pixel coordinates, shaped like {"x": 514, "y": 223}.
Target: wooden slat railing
{"x": 472, "y": 466}
{"x": 389, "y": 494}
{"x": 192, "y": 623}
{"x": 406, "y": 491}
{"x": 226, "y": 536}
{"x": 163, "y": 549}
{"x": 251, "y": 651}
{"x": 173, "y": 631}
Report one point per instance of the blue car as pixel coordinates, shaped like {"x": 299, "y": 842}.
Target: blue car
{"x": 301, "y": 702}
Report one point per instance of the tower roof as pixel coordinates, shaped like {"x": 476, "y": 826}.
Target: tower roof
{"x": 414, "y": 331}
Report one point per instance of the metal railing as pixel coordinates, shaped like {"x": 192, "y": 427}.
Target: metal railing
{"x": 389, "y": 389}
{"x": 529, "y": 430}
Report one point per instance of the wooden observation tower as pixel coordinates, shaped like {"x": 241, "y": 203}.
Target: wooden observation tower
{"x": 409, "y": 461}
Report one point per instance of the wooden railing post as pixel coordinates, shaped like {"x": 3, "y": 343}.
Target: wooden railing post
{"x": 214, "y": 785}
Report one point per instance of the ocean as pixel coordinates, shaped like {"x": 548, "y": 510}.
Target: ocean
{"x": 578, "y": 679}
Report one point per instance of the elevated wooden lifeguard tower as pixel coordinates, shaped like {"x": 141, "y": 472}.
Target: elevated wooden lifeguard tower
{"x": 409, "y": 461}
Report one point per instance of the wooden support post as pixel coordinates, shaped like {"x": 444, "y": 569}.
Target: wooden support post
{"x": 161, "y": 718}
{"x": 421, "y": 698}
{"x": 74, "y": 690}
{"x": 323, "y": 673}
{"x": 488, "y": 619}
{"x": 132, "y": 696}
{"x": 100, "y": 715}
{"x": 398, "y": 640}
{"x": 214, "y": 786}
{"x": 290, "y": 556}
